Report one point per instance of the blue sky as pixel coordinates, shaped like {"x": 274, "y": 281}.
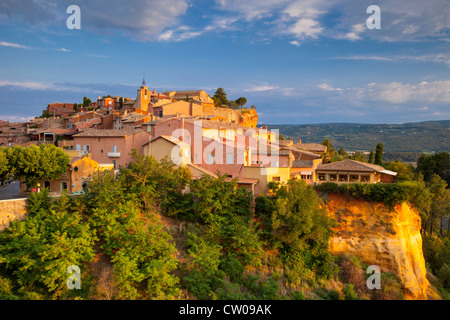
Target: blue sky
{"x": 297, "y": 61}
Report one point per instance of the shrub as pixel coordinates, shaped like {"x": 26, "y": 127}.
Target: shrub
{"x": 349, "y": 292}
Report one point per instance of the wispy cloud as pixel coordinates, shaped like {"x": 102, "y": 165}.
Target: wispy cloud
{"x": 261, "y": 88}
{"x": 435, "y": 58}
{"x": 32, "y": 85}
{"x": 63, "y": 50}
{"x": 14, "y": 45}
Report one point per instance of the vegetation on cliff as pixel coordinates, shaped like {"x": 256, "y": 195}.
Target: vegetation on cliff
{"x": 141, "y": 235}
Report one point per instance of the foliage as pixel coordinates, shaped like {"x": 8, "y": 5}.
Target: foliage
{"x": 4, "y": 165}
{"x": 34, "y": 163}
{"x": 202, "y": 273}
{"x": 378, "y": 154}
{"x": 301, "y": 230}
{"x": 220, "y": 97}
{"x": 404, "y": 172}
{"x": 438, "y": 164}
{"x": 37, "y": 251}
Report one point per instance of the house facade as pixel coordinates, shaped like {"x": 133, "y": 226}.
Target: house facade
{"x": 110, "y": 146}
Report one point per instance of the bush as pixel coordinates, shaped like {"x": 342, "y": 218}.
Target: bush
{"x": 349, "y": 292}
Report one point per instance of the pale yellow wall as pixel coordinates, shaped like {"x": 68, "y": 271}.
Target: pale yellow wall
{"x": 265, "y": 175}
{"x": 161, "y": 148}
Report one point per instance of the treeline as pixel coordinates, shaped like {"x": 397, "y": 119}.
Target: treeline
{"x": 151, "y": 232}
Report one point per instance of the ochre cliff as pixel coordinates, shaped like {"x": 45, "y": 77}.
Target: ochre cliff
{"x": 387, "y": 237}
{"x": 249, "y": 118}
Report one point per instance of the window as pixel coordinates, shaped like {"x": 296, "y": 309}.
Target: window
{"x": 101, "y": 151}
{"x": 322, "y": 176}
{"x": 47, "y": 184}
{"x": 230, "y": 158}
{"x": 210, "y": 158}
{"x": 63, "y": 186}
{"x": 114, "y": 163}
{"x": 114, "y": 148}
{"x": 276, "y": 179}
{"x": 333, "y": 177}
{"x": 306, "y": 177}
{"x": 78, "y": 147}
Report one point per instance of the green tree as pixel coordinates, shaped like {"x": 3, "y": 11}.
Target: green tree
{"x": 371, "y": 158}
{"x": 86, "y": 102}
{"x": 435, "y": 164}
{"x": 36, "y": 252}
{"x": 379, "y": 154}
{"x": 241, "y": 101}
{"x": 359, "y": 156}
{"x": 301, "y": 230}
{"x": 34, "y": 163}
{"x": 404, "y": 172}
{"x": 75, "y": 107}
{"x": 120, "y": 103}
{"x": 220, "y": 97}
{"x": 440, "y": 202}
{"x": 4, "y": 166}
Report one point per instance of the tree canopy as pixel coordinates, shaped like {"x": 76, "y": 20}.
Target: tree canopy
{"x": 34, "y": 163}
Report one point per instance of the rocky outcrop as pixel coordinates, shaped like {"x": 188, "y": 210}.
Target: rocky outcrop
{"x": 249, "y": 118}
{"x": 387, "y": 237}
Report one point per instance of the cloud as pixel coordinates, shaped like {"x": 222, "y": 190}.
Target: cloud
{"x": 63, "y": 50}
{"x": 45, "y": 86}
{"x": 433, "y": 57}
{"x": 398, "y": 93}
{"x": 261, "y": 88}
{"x": 139, "y": 19}
{"x": 327, "y": 87}
{"x": 402, "y": 20}
{"x": 14, "y": 45}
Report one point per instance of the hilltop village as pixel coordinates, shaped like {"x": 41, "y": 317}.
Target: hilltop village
{"x": 186, "y": 127}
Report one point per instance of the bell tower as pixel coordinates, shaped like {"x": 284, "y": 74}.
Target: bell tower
{"x": 143, "y": 97}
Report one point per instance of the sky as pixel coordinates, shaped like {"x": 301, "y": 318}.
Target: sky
{"x": 297, "y": 61}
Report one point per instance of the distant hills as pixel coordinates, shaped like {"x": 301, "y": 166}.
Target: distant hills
{"x": 409, "y": 139}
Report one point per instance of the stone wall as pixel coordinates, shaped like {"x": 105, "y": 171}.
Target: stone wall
{"x": 11, "y": 210}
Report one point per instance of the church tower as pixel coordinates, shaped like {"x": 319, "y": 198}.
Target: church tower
{"x": 143, "y": 97}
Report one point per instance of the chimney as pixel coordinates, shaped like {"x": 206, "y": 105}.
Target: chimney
{"x": 299, "y": 141}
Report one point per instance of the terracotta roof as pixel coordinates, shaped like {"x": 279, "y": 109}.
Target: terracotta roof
{"x": 350, "y": 165}
{"x": 311, "y": 147}
{"x": 203, "y": 170}
{"x": 302, "y": 163}
{"x": 297, "y": 150}
{"x": 107, "y": 133}
{"x": 171, "y": 139}
{"x": 56, "y": 131}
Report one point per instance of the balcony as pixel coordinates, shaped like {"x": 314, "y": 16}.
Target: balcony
{"x": 114, "y": 154}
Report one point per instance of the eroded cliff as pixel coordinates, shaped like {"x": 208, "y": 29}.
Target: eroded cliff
{"x": 387, "y": 237}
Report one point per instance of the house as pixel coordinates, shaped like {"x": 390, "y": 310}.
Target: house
{"x": 305, "y": 170}
{"x": 111, "y": 146}
{"x": 74, "y": 180}
{"x": 59, "y": 109}
{"x": 348, "y": 170}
